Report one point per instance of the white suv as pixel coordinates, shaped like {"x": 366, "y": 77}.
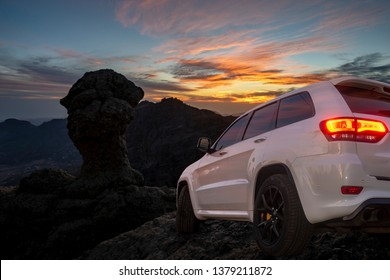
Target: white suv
{"x": 318, "y": 156}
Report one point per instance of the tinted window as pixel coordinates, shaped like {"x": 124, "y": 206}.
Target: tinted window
{"x": 233, "y": 134}
{"x": 366, "y": 101}
{"x": 294, "y": 109}
{"x": 263, "y": 120}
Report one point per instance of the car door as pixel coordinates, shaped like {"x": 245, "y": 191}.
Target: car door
{"x": 223, "y": 177}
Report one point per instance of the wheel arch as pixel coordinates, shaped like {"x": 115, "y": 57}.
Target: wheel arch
{"x": 269, "y": 170}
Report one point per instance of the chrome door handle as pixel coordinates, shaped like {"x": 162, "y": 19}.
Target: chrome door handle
{"x": 260, "y": 140}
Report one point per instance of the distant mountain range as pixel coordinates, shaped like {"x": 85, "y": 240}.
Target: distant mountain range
{"x": 161, "y": 142}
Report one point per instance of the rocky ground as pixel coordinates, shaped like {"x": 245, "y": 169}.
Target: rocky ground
{"x": 40, "y": 220}
{"x": 157, "y": 239}
{"x": 50, "y": 227}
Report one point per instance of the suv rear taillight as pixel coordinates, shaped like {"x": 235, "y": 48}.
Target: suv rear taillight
{"x": 353, "y": 129}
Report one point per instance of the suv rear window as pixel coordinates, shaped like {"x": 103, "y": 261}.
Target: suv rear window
{"x": 365, "y": 101}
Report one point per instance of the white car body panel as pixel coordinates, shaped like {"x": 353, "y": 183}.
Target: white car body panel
{"x": 229, "y": 173}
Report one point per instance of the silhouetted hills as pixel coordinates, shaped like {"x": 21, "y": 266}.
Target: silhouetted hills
{"x": 25, "y": 148}
{"x": 22, "y": 142}
{"x": 161, "y": 142}
{"x": 14, "y": 134}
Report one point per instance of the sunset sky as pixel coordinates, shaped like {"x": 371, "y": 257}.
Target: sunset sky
{"x": 223, "y": 55}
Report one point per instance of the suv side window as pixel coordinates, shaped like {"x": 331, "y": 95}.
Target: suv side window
{"x": 294, "y": 109}
{"x": 233, "y": 134}
{"x": 263, "y": 120}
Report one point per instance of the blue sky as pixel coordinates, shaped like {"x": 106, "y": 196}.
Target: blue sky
{"x": 222, "y": 55}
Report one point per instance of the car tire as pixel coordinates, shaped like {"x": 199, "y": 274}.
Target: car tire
{"x": 280, "y": 225}
{"x": 186, "y": 222}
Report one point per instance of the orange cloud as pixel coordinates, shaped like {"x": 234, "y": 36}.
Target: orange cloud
{"x": 239, "y": 97}
{"x": 253, "y": 63}
{"x": 184, "y": 17}
{"x": 198, "y": 45}
{"x": 170, "y": 17}
{"x": 153, "y": 17}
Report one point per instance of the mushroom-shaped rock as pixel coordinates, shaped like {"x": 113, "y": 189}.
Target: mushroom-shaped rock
{"x": 100, "y": 107}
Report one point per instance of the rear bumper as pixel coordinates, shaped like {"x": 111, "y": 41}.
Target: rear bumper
{"x": 372, "y": 215}
{"x": 319, "y": 180}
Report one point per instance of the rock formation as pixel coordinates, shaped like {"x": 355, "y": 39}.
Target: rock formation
{"x": 100, "y": 107}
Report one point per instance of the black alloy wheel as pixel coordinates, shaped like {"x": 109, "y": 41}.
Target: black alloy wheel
{"x": 271, "y": 214}
{"x": 280, "y": 225}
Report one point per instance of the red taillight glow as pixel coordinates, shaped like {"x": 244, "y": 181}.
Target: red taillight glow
{"x": 351, "y": 190}
{"x": 353, "y": 129}
{"x": 368, "y": 125}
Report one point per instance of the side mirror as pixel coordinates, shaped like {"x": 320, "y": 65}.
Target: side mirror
{"x": 204, "y": 145}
